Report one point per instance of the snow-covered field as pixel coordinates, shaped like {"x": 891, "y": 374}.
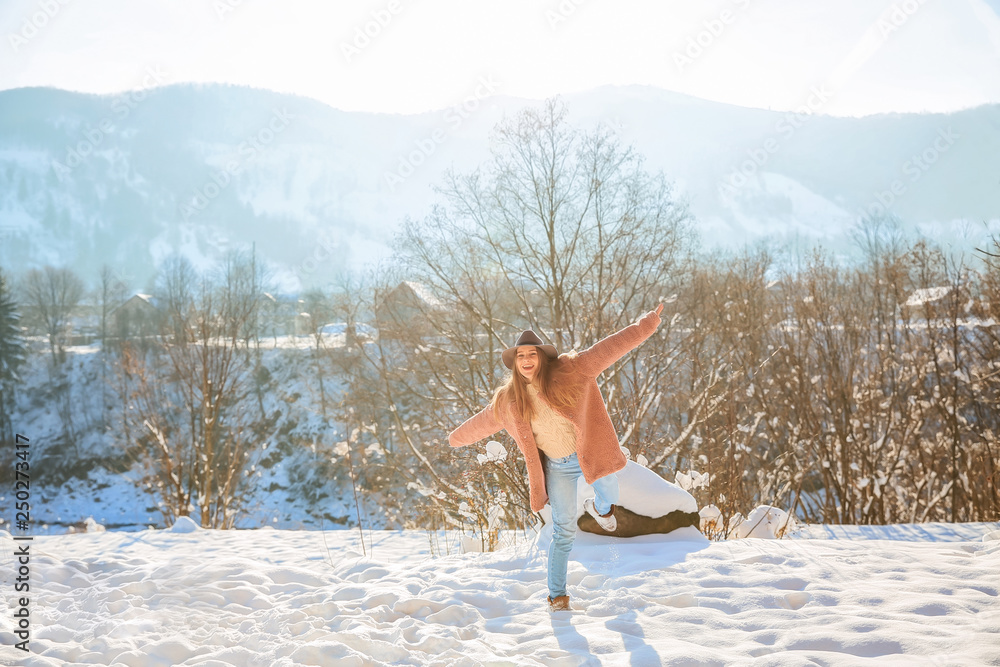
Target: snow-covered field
{"x": 834, "y": 595}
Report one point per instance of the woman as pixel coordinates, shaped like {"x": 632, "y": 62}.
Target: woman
{"x": 552, "y": 407}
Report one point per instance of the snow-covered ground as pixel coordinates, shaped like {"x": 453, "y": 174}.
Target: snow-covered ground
{"x": 833, "y": 595}
{"x": 898, "y": 595}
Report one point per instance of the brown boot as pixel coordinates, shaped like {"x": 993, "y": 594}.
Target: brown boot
{"x": 559, "y": 603}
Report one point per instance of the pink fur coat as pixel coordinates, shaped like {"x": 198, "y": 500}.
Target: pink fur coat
{"x": 596, "y": 441}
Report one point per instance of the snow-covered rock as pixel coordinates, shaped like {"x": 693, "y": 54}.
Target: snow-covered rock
{"x": 91, "y": 526}
{"x": 711, "y": 518}
{"x": 643, "y": 492}
{"x": 184, "y": 524}
{"x": 765, "y": 522}
{"x": 471, "y": 544}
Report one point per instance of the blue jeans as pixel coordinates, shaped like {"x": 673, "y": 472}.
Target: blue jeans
{"x": 560, "y": 483}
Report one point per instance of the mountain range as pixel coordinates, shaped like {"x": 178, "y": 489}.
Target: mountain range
{"x": 126, "y": 180}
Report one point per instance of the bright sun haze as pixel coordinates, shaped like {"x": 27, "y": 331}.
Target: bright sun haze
{"x": 400, "y": 56}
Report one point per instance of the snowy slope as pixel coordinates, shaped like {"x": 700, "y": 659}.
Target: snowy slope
{"x": 282, "y": 598}
{"x": 86, "y": 472}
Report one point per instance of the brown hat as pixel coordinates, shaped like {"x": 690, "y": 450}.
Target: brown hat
{"x": 527, "y": 338}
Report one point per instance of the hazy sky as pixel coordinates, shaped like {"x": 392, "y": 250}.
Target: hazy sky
{"x": 415, "y": 55}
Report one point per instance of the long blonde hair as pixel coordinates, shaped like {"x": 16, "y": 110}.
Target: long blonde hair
{"x": 553, "y": 379}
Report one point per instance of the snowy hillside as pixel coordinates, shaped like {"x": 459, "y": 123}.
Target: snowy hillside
{"x": 752, "y": 173}
{"x": 127, "y": 179}
{"x": 186, "y": 596}
{"x": 82, "y": 469}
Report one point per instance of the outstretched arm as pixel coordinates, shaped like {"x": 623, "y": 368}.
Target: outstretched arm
{"x": 474, "y": 429}
{"x": 603, "y": 353}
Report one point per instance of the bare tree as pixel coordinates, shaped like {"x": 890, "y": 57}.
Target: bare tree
{"x": 854, "y": 393}
{"x": 112, "y": 290}
{"x": 50, "y": 297}
{"x": 317, "y": 311}
{"x": 562, "y": 231}
{"x": 985, "y": 383}
{"x": 190, "y": 402}
{"x": 175, "y": 287}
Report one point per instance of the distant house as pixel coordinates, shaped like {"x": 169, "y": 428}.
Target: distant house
{"x": 83, "y": 326}
{"x": 929, "y": 302}
{"x": 302, "y": 324}
{"x": 275, "y": 316}
{"x": 406, "y": 309}
{"x": 339, "y": 334}
{"x": 138, "y": 318}
{"x": 928, "y": 295}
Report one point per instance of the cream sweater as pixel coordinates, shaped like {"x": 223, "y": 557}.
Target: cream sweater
{"x": 554, "y": 434}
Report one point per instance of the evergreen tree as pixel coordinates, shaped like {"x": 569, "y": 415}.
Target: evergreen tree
{"x": 12, "y": 353}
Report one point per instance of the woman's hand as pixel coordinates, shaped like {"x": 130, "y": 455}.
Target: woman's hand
{"x": 649, "y": 322}
{"x": 656, "y": 315}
